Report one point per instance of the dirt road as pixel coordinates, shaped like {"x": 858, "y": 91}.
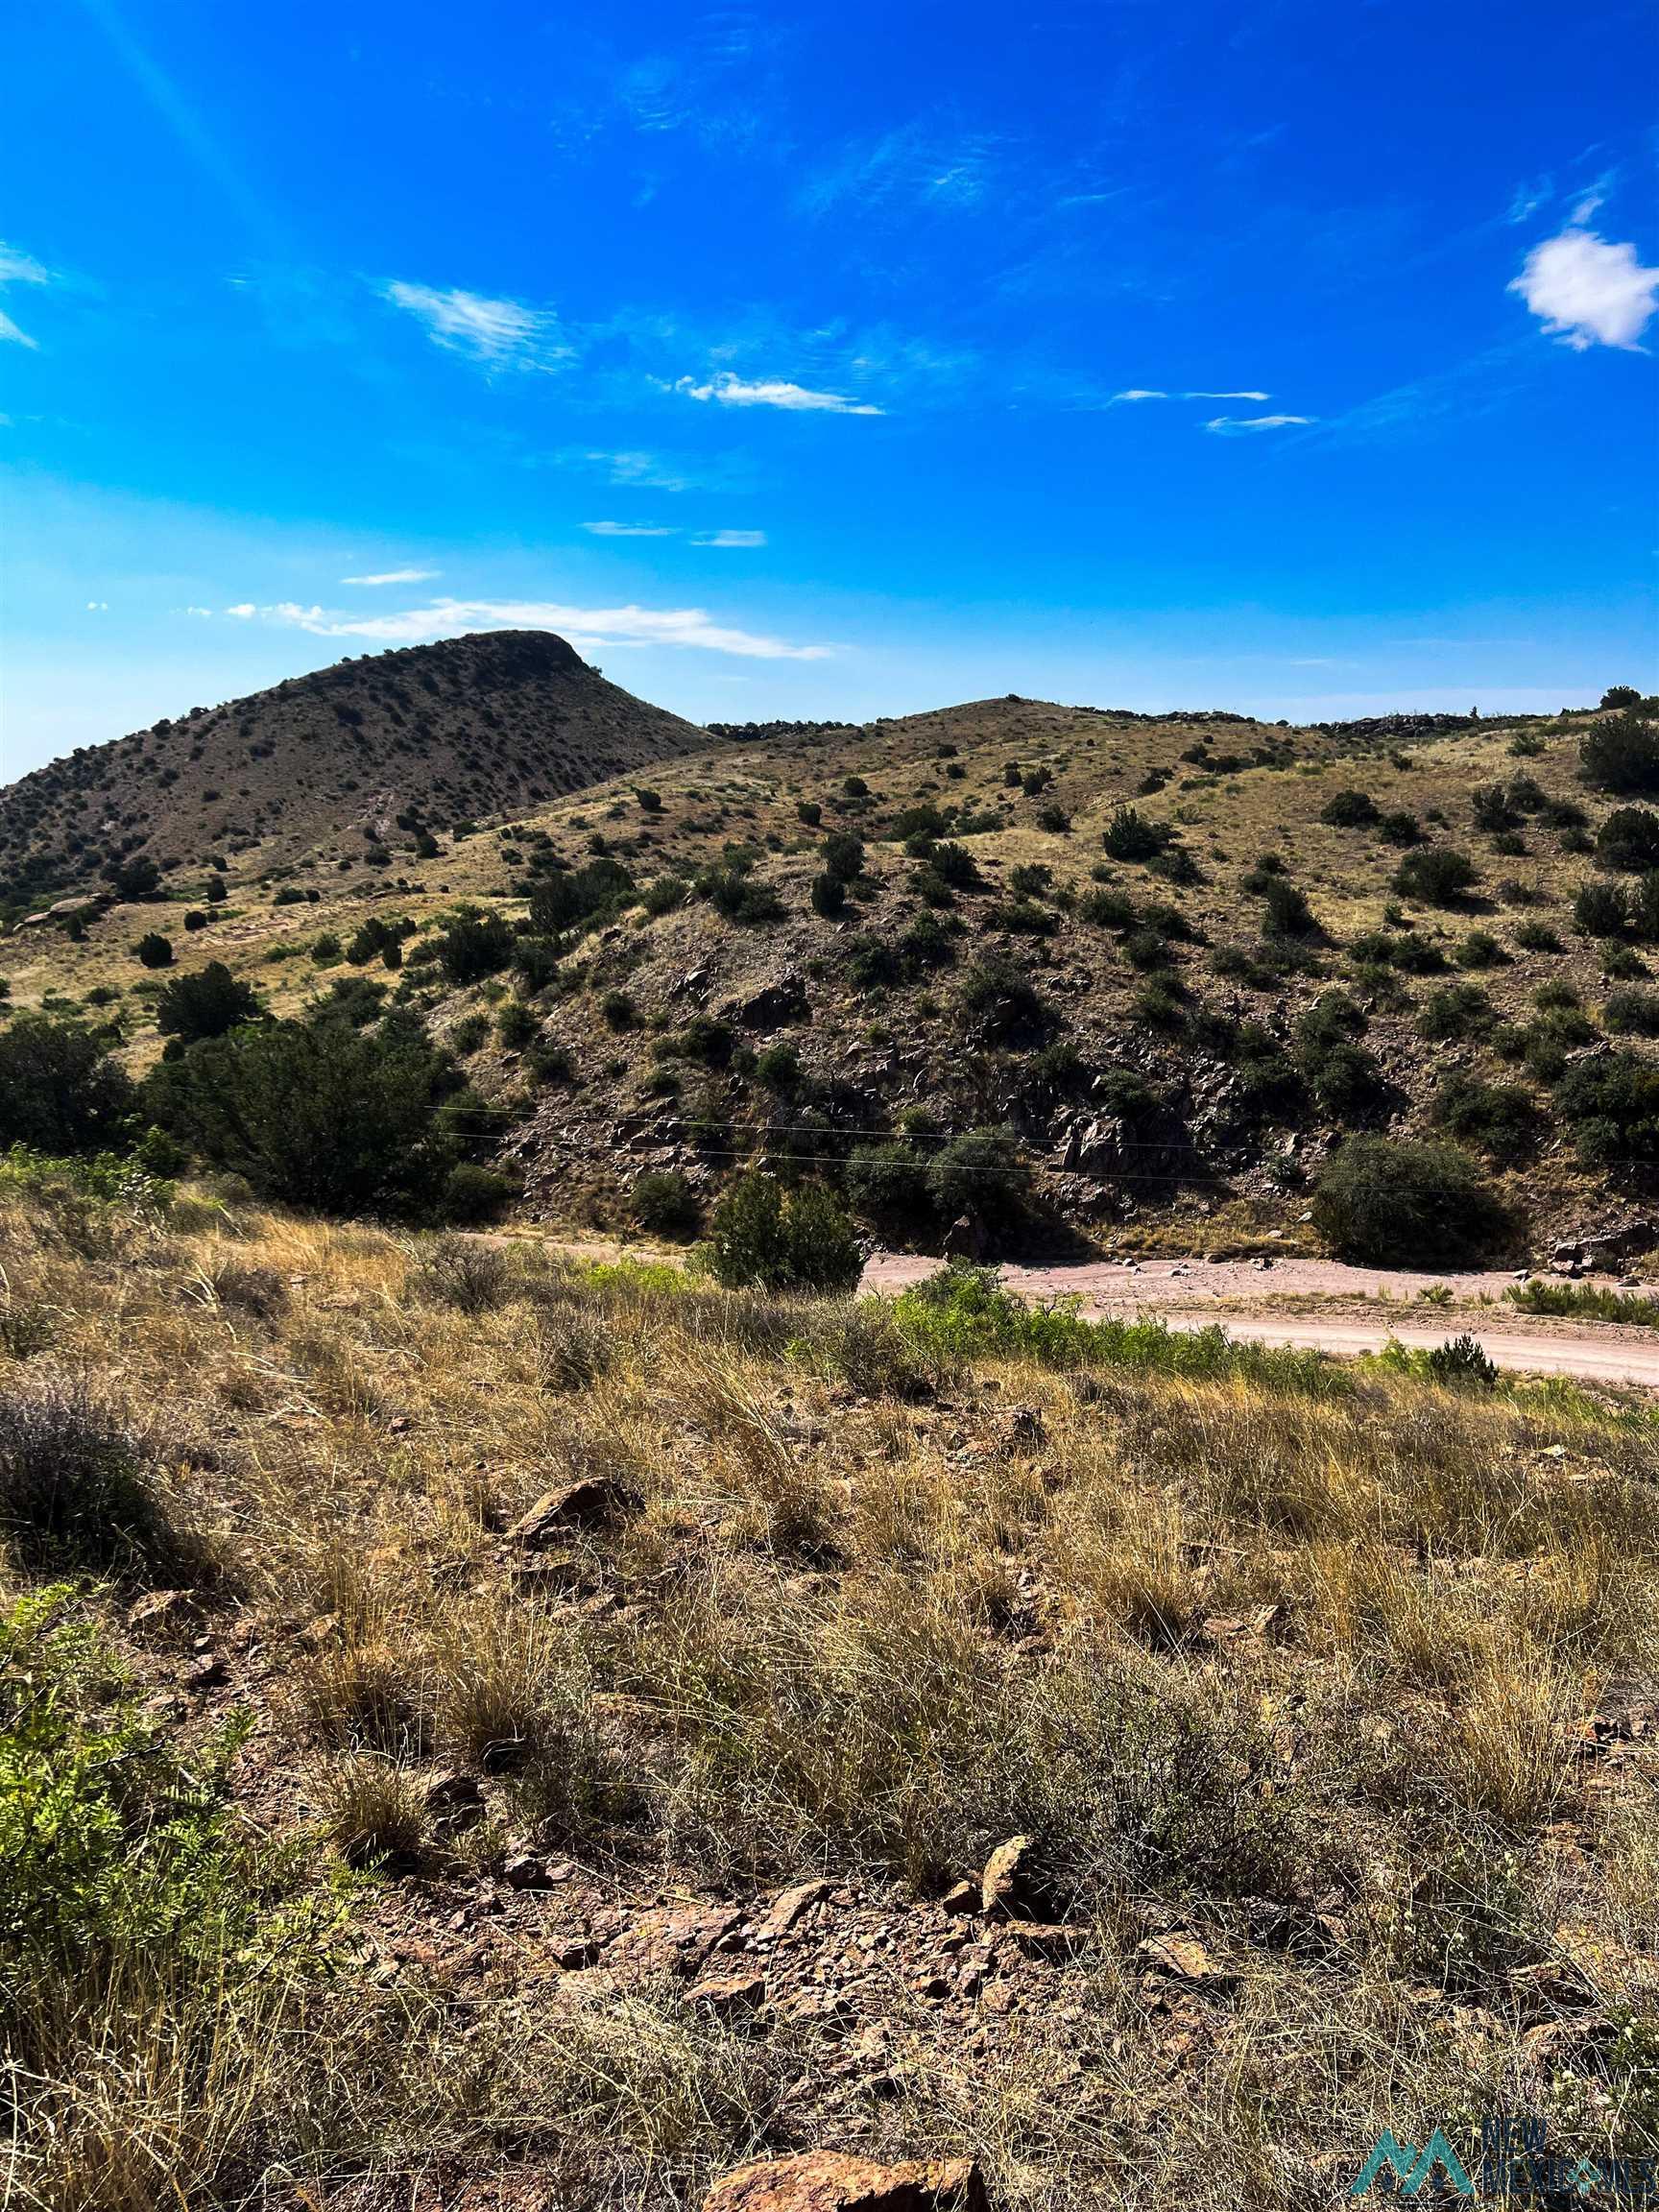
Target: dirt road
{"x": 1321, "y": 1305}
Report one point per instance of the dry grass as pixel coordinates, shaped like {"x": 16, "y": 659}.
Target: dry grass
{"x": 1315, "y": 1676}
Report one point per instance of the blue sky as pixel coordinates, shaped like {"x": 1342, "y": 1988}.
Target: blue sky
{"x": 832, "y": 359}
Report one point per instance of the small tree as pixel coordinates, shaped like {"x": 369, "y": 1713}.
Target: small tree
{"x": 764, "y": 1236}
{"x": 206, "y": 1005}
{"x": 1436, "y": 873}
{"x": 1392, "y": 1204}
{"x": 1622, "y": 753}
{"x": 60, "y": 1091}
{"x": 154, "y": 951}
{"x": 1629, "y": 839}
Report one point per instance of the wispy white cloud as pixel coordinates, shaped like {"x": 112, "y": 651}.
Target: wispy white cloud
{"x": 97, "y": 606}
{"x": 732, "y": 537}
{"x": 630, "y": 529}
{"x": 1587, "y": 292}
{"x": 396, "y": 576}
{"x": 18, "y": 268}
{"x": 1135, "y": 392}
{"x": 496, "y": 333}
{"x": 1257, "y": 395}
{"x": 647, "y": 471}
{"x": 1138, "y": 392}
{"x": 1527, "y": 199}
{"x": 925, "y": 163}
{"x": 1243, "y": 425}
{"x": 202, "y": 614}
{"x": 773, "y": 392}
{"x": 244, "y": 612}
{"x": 587, "y": 628}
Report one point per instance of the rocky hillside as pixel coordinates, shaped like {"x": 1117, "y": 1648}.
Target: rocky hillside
{"x": 370, "y": 752}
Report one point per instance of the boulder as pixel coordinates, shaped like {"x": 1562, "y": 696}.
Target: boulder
{"x": 773, "y": 1006}
{"x": 835, "y": 2181}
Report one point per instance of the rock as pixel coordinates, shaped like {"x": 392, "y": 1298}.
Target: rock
{"x": 727, "y": 1995}
{"x": 525, "y": 1870}
{"x": 961, "y": 1897}
{"x": 1048, "y": 1938}
{"x": 587, "y": 1502}
{"x": 789, "y": 1908}
{"x": 965, "y": 1238}
{"x": 835, "y": 2181}
{"x": 1007, "y": 1871}
{"x": 773, "y": 1006}
{"x": 1026, "y": 1426}
{"x": 206, "y": 1673}
{"x": 452, "y": 1791}
{"x": 1183, "y": 1958}
{"x": 158, "y": 1610}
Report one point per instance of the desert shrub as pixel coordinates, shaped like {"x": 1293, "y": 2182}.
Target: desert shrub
{"x": 927, "y": 942}
{"x": 472, "y": 945}
{"x": 1632, "y": 1013}
{"x": 873, "y": 961}
{"x": 1598, "y": 910}
{"x": 205, "y": 1005}
{"x": 1349, "y": 809}
{"x": 704, "y": 1038}
{"x": 1129, "y": 836}
{"x": 1399, "y": 826}
{"x": 1436, "y": 873}
{"x": 1499, "y": 1118}
{"x": 738, "y": 895}
{"x": 663, "y": 893}
{"x": 1549, "y": 1040}
{"x": 663, "y": 1203}
{"x": 829, "y": 896}
{"x": 778, "y": 1067}
{"x": 1620, "y": 695}
{"x": 1054, "y": 820}
{"x": 314, "y": 1113}
{"x": 843, "y": 854}
{"x": 978, "y": 1174}
{"x": 765, "y": 1236}
{"x": 516, "y": 1025}
{"x": 1001, "y": 999}
{"x": 1398, "y": 1203}
{"x": 955, "y": 865}
{"x": 1455, "y": 1010}
{"x": 154, "y": 951}
{"x": 464, "y": 1272}
{"x": 1538, "y": 937}
{"x": 617, "y": 1010}
{"x": 472, "y": 1193}
{"x": 60, "y": 1091}
{"x": 1629, "y": 839}
{"x": 1611, "y": 1104}
{"x": 888, "y": 1183}
{"x": 1461, "y": 1363}
{"x": 810, "y": 811}
{"x": 1622, "y": 753}
{"x": 77, "y": 1489}
{"x": 921, "y": 821}
{"x": 565, "y": 897}
{"x": 1285, "y": 911}
{"x": 469, "y": 1034}
{"x": 1479, "y": 948}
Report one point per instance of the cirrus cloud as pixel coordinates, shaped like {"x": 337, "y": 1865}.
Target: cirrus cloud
{"x": 396, "y": 576}
{"x": 1587, "y": 292}
{"x": 730, "y": 390}
{"x": 587, "y": 628}
{"x": 1246, "y": 425}
{"x": 495, "y": 333}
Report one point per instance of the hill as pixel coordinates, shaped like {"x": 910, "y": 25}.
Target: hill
{"x": 1015, "y": 976}
{"x": 368, "y": 752}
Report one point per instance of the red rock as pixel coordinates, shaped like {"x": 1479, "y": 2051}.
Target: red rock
{"x": 961, "y": 1897}
{"x": 726, "y": 1995}
{"x": 1184, "y": 1958}
{"x": 833, "y": 2181}
{"x": 789, "y": 1908}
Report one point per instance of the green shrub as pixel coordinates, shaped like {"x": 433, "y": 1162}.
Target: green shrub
{"x": 1629, "y": 839}
{"x": 1001, "y": 999}
{"x": 154, "y": 951}
{"x": 473, "y": 1193}
{"x": 60, "y": 1091}
{"x": 764, "y": 1236}
{"x": 315, "y": 1113}
{"x": 472, "y": 945}
{"x": 665, "y": 1203}
{"x": 1129, "y": 836}
{"x": 1461, "y": 1363}
{"x": 843, "y": 854}
{"x": 617, "y": 1010}
{"x": 1436, "y": 873}
{"x": 517, "y": 1026}
{"x": 888, "y": 1184}
{"x": 1349, "y": 809}
{"x": 205, "y": 1005}
{"x": 1499, "y": 1118}
{"x": 1611, "y": 1103}
{"x": 1622, "y": 753}
{"x": 829, "y": 896}
{"x": 1598, "y": 910}
{"x": 1394, "y": 1204}
{"x": 978, "y": 1174}
{"x": 1455, "y": 1010}
{"x": 1632, "y": 1013}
